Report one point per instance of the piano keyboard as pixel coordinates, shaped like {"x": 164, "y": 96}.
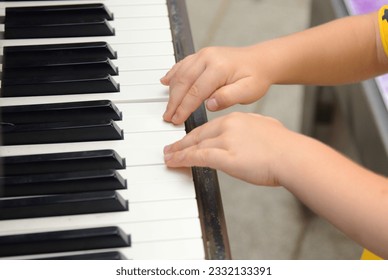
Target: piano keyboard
{"x": 82, "y": 147}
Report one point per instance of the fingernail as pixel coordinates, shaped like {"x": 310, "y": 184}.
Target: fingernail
{"x": 167, "y": 149}
{"x": 167, "y": 157}
{"x": 166, "y": 117}
{"x": 212, "y": 104}
{"x": 163, "y": 80}
{"x": 174, "y": 119}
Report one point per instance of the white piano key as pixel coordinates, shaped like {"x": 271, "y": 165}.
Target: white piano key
{"x": 137, "y": 65}
{"x": 139, "y": 11}
{"x": 138, "y": 212}
{"x": 152, "y": 109}
{"x": 133, "y": 11}
{"x": 141, "y": 23}
{"x": 133, "y": 93}
{"x": 125, "y": 11}
{"x": 163, "y": 230}
{"x": 146, "y": 123}
{"x": 135, "y": 23}
{"x": 181, "y": 249}
{"x": 144, "y": 117}
{"x": 137, "y": 36}
{"x": 133, "y": 77}
{"x": 140, "y": 231}
{"x": 155, "y": 174}
{"x": 138, "y": 148}
{"x": 176, "y": 249}
{"x": 144, "y": 62}
{"x": 141, "y": 49}
{"x": 128, "y": 50}
{"x": 121, "y": 37}
{"x": 156, "y": 191}
{"x": 145, "y": 192}
{"x": 110, "y": 3}
{"x": 142, "y": 77}
{"x": 143, "y": 6}
{"x": 128, "y": 76}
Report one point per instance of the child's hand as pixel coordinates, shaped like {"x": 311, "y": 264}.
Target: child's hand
{"x": 246, "y": 146}
{"x": 223, "y": 76}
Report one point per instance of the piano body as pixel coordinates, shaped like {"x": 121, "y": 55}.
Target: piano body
{"x": 82, "y": 130}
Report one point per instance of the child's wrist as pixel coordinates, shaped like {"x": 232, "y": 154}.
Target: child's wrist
{"x": 295, "y": 159}
{"x": 264, "y": 59}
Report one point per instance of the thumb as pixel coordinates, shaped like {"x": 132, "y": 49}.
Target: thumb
{"x": 244, "y": 91}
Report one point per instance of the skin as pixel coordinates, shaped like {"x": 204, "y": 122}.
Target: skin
{"x": 260, "y": 150}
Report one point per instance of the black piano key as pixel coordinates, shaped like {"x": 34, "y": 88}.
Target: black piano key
{"x": 96, "y": 67}
{"x": 82, "y": 29}
{"x": 64, "y": 182}
{"x": 58, "y": 85}
{"x": 59, "y": 112}
{"x": 92, "y": 256}
{"x": 56, "y": 14}
{"x": 62, "y": 162}
{"x": 62, "y": 132}
{"x": 60, "y": 205}
{"x": 63, "y": 241}
{"x": 22, "y": 56}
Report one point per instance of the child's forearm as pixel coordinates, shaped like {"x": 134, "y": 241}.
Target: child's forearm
{"x": 352, "y": 198}
{"x": 341, "y": 51}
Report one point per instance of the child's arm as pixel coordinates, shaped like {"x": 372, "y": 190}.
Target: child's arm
{"x": 261, "y": 151}
{"x": 341, "y": 51}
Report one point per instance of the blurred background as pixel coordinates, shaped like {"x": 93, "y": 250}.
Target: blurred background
{"x": 262, "y": 222}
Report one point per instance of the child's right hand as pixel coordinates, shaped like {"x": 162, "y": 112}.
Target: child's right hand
{"x": 223, "y": 76}
{"x": 249, "y": 147}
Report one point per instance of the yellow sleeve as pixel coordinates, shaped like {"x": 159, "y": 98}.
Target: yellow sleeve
{"x": 367, "y": 255}
{"x": 383, "y": 26}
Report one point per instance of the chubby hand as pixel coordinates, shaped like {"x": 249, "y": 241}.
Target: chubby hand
{"x": 223, "y": 76}
{"x": 246, "y": 146}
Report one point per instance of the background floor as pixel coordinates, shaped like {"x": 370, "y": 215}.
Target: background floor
{"x": 266, "y": 223}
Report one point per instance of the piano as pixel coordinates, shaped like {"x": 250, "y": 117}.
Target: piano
{"x": 82, "y": 135}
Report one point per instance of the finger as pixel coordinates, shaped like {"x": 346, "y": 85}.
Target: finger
{"x": 208, "y": 157}
{"x": 204, "y": 144}
{"x": 243, "y": 91}
{"x": 196, "y": 136}
{"x": 165, "y": 80}
{"x": 180, "y": 83}
{"x": 206, "y": 84}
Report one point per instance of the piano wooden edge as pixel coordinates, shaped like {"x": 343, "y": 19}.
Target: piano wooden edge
{"x": 207, "y": 188}
{"x": 351, "y": 106}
